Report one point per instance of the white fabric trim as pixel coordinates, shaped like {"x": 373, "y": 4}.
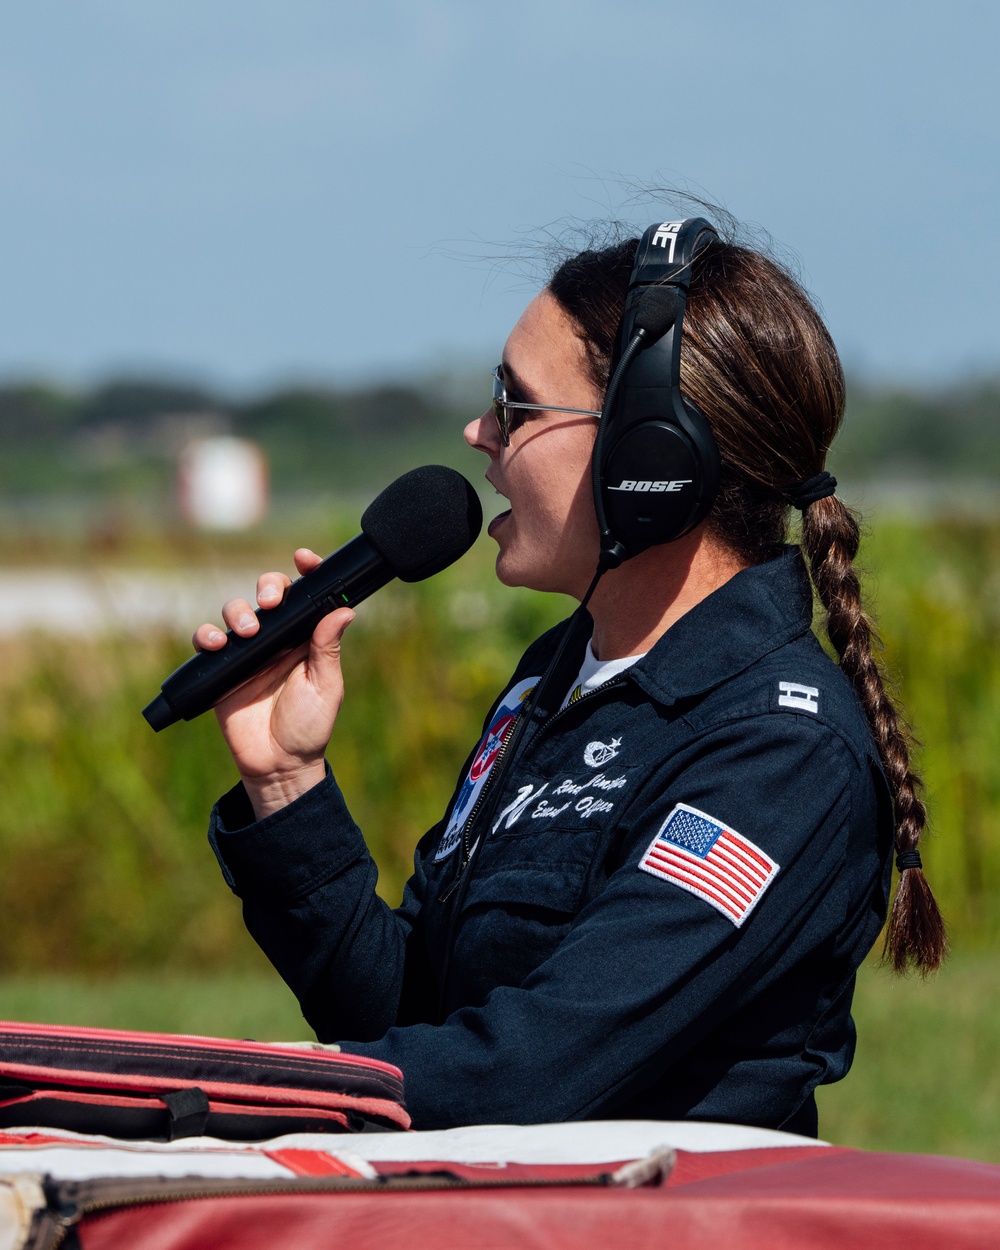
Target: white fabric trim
{"x": 594, "y": 672}
{"x": 592, "y": 1141}
{"x": 589, "y": 1141}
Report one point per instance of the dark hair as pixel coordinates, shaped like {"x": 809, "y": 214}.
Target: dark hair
{"x": 758, "y": 361}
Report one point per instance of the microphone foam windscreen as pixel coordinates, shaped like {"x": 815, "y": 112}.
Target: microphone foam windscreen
{"x": 423, "y": 521}
{"x": 657, "y": 310}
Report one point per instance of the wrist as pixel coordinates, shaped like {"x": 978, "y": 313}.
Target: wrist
{"x": 270, "y": 794}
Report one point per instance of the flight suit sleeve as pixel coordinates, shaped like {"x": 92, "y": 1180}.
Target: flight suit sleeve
{"x": 651, "y": 965}
{"x": 307, "y": 882}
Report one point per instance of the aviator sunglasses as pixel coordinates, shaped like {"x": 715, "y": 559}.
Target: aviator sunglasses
{"x": 502, "y": 407}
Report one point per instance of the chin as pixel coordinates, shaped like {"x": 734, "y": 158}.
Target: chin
{"x": 513, "y": 572}
{"x": 508, "y": 574}
{"x": 531, "y": 576}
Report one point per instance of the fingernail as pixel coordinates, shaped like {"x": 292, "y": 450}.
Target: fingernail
{"x": 247, "y": 621}
{"x": 267, "y": 594}
{"x": 217, "y": 636}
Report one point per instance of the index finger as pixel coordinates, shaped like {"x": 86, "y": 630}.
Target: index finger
{"x": 271, "y": 589}
{"x": 306, "y": 559}
{"x": 208, "y": 637}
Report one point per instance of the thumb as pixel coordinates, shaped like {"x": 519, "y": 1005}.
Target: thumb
{"x": 324, "y": 651}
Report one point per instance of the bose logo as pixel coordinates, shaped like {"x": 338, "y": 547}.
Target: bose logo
{"x": 628, "y": 484}
{"x": 666, "y": 236}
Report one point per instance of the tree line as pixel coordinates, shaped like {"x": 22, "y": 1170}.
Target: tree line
{"x": 126, "y": 433}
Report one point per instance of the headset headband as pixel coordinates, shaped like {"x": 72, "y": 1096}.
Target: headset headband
{"x": 663, "y": 258}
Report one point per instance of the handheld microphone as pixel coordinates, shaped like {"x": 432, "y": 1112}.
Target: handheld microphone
{"x": 421, "y": 523}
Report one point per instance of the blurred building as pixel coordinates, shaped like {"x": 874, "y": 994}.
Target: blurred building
{"x": 222, "y": 483}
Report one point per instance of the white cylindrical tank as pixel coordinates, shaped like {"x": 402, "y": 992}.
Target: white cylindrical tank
{"x": 223, "y": 483}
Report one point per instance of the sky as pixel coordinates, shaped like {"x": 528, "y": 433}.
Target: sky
{"x": 246, "y": 192}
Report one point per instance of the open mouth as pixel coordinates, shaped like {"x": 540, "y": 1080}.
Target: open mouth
{"x": 498, "y": 521}
{"x": 501, "y": 516}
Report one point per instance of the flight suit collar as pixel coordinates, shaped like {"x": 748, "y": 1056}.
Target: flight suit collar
{"x": 760, "y": 609}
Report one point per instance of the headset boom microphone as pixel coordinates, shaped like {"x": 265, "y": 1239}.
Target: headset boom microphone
{"x": 421, "y": 523}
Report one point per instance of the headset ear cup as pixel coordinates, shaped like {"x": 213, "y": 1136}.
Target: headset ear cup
{"x": 706, "y": 450}
{"x": 652, "y": 485}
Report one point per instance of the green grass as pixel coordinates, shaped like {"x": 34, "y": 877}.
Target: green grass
{"x": 102, "y": 828}
{"x": 926, "y": 1077}
{"x": 244, "y": 1004}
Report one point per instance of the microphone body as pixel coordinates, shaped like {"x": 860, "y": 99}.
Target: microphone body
{"x": 351, "y": 574}
{"x": 419, "y": 525}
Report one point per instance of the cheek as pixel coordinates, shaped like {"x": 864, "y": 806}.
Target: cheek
{"x": 581, "y": 518}
{"x": 575, "y": 479}
{"x": 558, "y": 488}
{"x": 566, "y": 501}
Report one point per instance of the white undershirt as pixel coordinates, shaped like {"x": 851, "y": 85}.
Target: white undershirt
{"x": 593, "y": 673}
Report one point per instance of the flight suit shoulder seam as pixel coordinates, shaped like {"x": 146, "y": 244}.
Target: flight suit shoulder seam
{"x": 816, "y": 722}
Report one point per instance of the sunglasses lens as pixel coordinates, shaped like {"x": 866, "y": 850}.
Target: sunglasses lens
{"x": 500, "y": 406}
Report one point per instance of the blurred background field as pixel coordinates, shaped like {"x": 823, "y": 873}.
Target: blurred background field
{"x": 112, "y": 906}
{"x": 311, "y": 227}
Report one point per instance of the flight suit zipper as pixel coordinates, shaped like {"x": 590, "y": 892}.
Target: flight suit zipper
{"x": 495, "y": 771}
{"x": 476, "y": 809}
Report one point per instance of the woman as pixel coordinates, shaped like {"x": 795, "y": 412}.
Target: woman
{"x": 656, "y": 907}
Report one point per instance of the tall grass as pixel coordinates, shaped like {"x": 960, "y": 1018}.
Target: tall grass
{"x": 925, "y": 1076}
{"x": 104, "y": 861}
{"x": 936, "y": 588}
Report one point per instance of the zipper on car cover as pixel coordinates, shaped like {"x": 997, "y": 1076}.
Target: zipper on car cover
{"x": 65, "y": 1213}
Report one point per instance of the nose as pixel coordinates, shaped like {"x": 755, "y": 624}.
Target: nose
{"x": 482, "y": 434}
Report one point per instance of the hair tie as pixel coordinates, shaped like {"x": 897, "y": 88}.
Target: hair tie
{"x": 908, "y": 859}
{"x": 802, "y": 494}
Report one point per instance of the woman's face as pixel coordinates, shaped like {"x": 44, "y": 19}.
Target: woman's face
{"x": 548, "y": 537}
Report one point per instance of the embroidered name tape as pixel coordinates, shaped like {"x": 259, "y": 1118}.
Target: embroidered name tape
{"x": 705, "y": 857}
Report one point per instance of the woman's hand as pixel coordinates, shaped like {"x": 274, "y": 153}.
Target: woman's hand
{"x": 278, "y": 724}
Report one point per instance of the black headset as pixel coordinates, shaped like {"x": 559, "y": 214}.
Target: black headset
{"x": 656, "y": 464}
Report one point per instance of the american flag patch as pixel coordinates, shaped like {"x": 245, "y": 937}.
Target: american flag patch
{"x": 698, "y": 853}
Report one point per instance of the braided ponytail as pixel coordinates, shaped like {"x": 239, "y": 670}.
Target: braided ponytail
{"x": 759, "y": 363}
{"x": 830, "y": 537}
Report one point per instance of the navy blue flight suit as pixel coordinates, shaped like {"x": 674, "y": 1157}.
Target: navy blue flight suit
{"x": 686, "y": 868}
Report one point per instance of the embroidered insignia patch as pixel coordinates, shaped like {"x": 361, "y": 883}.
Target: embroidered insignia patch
{"x": 597, "y": 753}
{"x": 791, "y": 694}
{"x": 483, "y": 761}
{"x": 703, "y": 856}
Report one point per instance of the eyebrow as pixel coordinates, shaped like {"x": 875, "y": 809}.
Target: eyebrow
{"x": 511, "y": 377}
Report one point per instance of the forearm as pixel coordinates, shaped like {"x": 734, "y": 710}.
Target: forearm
{"x": 307, "y": 883}
{"x": 581, "y": 1039}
